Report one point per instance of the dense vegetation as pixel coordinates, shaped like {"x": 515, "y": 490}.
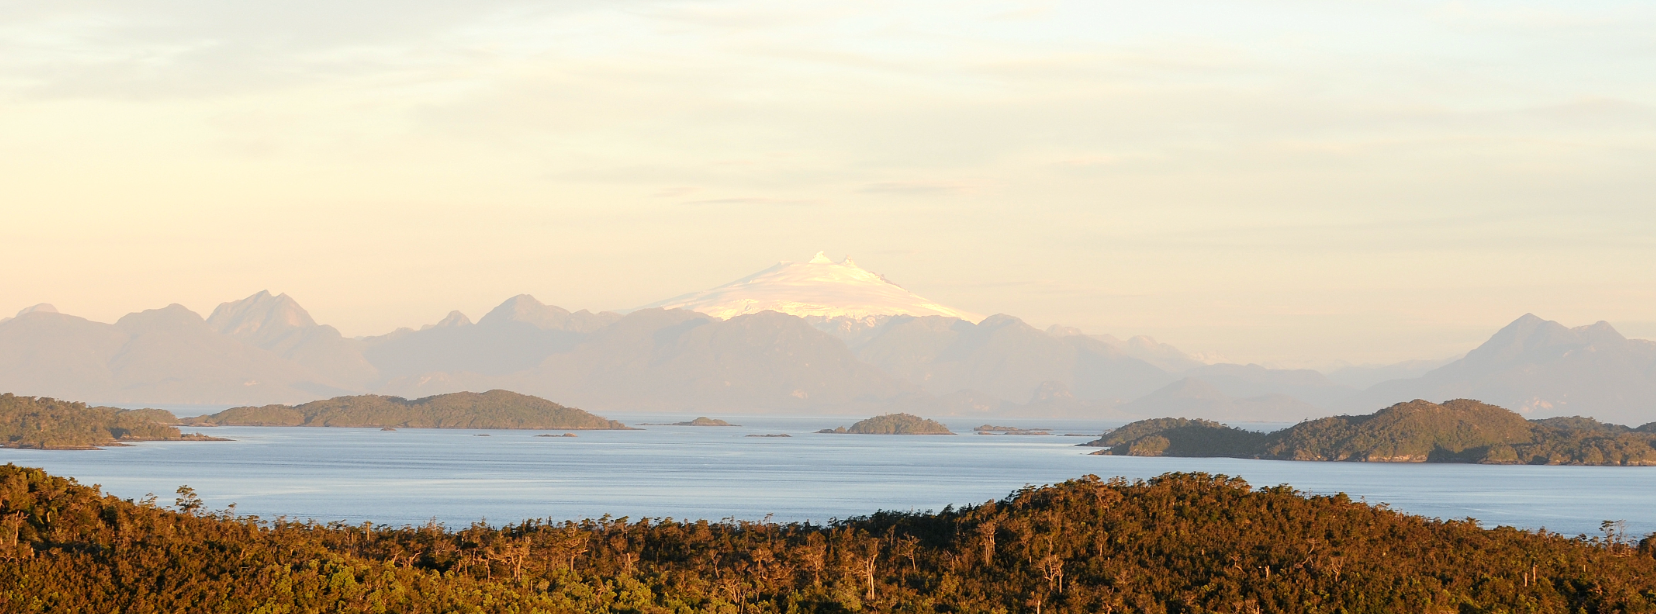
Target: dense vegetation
{"x": 495, "y": 409}
{"x": 1459, "y": 431}
{"x": 1177, "y": 543}
{"x": 704, "y": 421}
{"x": 41, "y": 422}
{"x": 894, "y": 424}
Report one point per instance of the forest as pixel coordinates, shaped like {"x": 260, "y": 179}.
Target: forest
{"x": 1175, "y": 543}
{"x": 47, "y": 423}
{"x": 1458, "y": 431}
{"x": 495, "y": 409}
{"x": 893, "y": 424}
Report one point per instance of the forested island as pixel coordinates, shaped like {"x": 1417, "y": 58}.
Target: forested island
{"x": 495, "y": 409}
{"x": 1176, "y": 543}
{"x": 51, "y": 424}
{"x": 990, "y": 429}
{"x": 1458, "y": 431}
{"x": 699, "y": 421}
{"x": 893, "y": 424}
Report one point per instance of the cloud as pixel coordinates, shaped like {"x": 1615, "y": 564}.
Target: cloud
{"x": 916, "y": 188}
{"x": 768, "y": 202}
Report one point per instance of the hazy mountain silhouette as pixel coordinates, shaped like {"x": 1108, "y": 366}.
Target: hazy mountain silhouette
{"x": 1364, "y": 376}
{"x": 1147, "y": 349}
{"x": 517, "y": 335}
{"x": 1253, "y": 380}
{"x": 1541, "y": 368}
{"x": 676, "y": 360}
{"x": 280, "y": 325}
{"x": 267, "y": 349}
{"x": 167, "y": 355}
{"x": 1194, "y": 398}
{"x": 1003, "y": 357}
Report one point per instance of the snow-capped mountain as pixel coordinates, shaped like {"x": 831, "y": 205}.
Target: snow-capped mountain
{"x": 819, "y": 288}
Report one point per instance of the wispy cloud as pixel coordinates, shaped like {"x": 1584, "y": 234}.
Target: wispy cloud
{"x": 916, "y": 188}
{"x": 760, "y": 201}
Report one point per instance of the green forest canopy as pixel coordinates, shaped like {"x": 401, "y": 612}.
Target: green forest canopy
{"x": 1458, "y": 431}
{"x": 1176, "y": 543}
{"x": 42, "y": 422}
{"x": 495, "y": 409}
{"x": 894, "y": 424}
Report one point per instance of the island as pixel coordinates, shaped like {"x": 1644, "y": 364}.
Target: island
{"x": 51, "y": 424}
{"x": 893, "y": 424}
{"x": 990, "y": 429}
{"x": 495, "y": 409}
{"x": 699, "y": 421}
{"x": 1458, "y": 431}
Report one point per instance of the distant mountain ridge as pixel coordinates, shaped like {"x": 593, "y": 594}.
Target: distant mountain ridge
{"x": 1542, "y": 368}
{"x": 266, "y": 349}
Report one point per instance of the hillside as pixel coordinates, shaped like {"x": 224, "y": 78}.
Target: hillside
{"x": 38, "y": 422}
{"x": 894, "y": 424}
{"x": 1177, "y": 543}
{"x": 495, "y": 409}
{"x": 1458, "y": 431}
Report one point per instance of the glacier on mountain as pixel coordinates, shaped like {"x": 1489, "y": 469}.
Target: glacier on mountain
{"x": 820, "y": 288}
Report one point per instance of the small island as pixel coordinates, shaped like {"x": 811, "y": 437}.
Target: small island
{"x": 1458, "y": 431}
{"x": 768, "y": 435}
{"x": 893, "y": 424}
{"x": 990, "y": 429}
{"x": 495, "y": 409}
{"x": 699, "y": 421}
{"x": 50, "y": 424}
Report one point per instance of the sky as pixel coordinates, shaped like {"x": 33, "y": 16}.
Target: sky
{"x": 1294, "y": 183}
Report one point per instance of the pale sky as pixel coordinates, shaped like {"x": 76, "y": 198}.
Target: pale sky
{"x": 1288, "y": 182}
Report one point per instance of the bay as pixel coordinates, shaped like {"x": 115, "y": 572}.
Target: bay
{"x": 456, "y": 477}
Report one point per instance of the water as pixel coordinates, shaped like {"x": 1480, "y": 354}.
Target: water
{"x": 457, "y": 477}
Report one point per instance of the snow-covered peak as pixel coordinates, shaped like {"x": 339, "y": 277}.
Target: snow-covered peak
{"x": 820, "y": 287}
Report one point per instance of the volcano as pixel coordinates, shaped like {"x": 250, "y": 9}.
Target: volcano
{"x": 819, "y": 288}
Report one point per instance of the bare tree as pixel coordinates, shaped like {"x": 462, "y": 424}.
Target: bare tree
{"x": 986, "y": 537}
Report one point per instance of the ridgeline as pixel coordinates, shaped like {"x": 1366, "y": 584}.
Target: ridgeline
{"x": 51, "y": 424}
{"x": 1176, "y": 543}
{"x": 1458, "y": 431}
{"x": 495, "y": 409}
{"x": 893, "y": 424}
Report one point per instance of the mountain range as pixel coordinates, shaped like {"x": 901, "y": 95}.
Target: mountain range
{"x": 849, "y": 341}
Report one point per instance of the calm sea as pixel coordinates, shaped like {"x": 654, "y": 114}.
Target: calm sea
{"x": 462, "y": 476}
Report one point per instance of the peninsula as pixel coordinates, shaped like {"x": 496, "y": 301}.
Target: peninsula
{"x": 495, "y": 409}
{"x": 893, "y": 424}
{"x": 50, "y": 424}
{"x": 1458, "y": 431}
